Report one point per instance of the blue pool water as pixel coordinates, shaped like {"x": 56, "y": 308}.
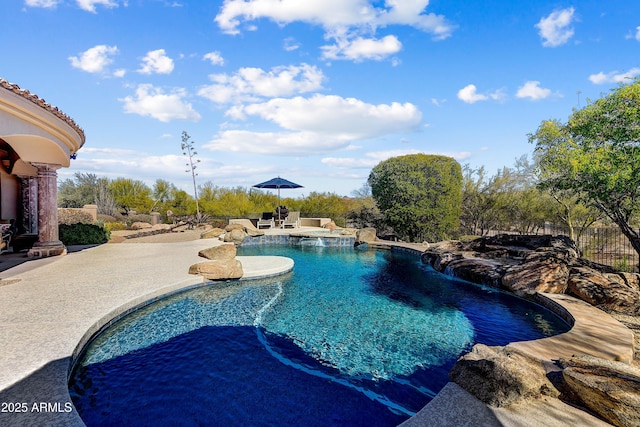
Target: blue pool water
{"x": 349, "y": 338}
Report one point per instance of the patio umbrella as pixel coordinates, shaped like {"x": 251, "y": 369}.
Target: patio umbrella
{"x": 278, "y": 183}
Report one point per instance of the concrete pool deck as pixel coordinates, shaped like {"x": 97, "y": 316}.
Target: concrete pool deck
{"x": 57, "y": 303}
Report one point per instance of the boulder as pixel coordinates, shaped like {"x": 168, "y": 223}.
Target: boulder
{"x": 598, "y": 290}
{"x": 140, "y": 225}
{"x": 231, "y": 227}
{"x": 631, "y": 279}
{"x": 348, "y": 231}
{"x": 476, "y": 270}
{"x": 220, "y": 252}
{"x": 218, "y": 269}
{"x": 236, "y": 235}
{"x": 559, "y": 244}
{"x": 446, "y": 246}
{"x": 539, "y": 272}
{"x": 501, "y": 376}
{"x": 210, "y": 234}
{"x": 161, "y": 227}
{"x": 366, "y": 235}
{"x": 610, "y": 389}
{"x": 331, "y": 226}
{"x": 253, "y": 232}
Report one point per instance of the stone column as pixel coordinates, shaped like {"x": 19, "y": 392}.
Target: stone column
{"x": 48, "y": 243}
{"x": 28, "y": 223}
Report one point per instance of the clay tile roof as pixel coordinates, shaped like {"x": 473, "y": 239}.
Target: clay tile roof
{"x": 43, "y": 104}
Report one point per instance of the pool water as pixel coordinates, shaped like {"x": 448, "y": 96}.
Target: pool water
{"x": 350, "y": 337}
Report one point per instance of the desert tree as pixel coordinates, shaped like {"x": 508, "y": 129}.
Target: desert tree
{"x": 595, "y": 156}
{"x": 420, "y": 195}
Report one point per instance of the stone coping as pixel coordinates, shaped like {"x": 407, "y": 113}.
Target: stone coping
{"x": 593, "y": 332}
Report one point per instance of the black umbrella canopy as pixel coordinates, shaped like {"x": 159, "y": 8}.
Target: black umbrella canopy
{"x": 278, "y": 183}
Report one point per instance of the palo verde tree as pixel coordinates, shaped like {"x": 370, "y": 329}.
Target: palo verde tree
{"x": 419, "y": 195}
{"x": 596, "y": 156}
{"x": 131, "y": 195}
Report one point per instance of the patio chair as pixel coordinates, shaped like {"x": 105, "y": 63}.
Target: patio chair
{"x": 7, "y": 232}
{"x": 266, "y": 220}
{"x": 292, "y": 220}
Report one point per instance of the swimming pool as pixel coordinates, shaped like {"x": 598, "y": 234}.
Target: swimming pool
{"x": 350, "y": 337}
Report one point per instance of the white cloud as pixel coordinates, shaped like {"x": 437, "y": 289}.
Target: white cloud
{"x": 153, "y": 102}
{"x": 118, "y": 152}
{"x": 317, "y": 125}
{"x": 371, "y": 159}
{"x": 614, "y": 76}
{"x": 351, "y": 23}
{"x": 334, "y": 13}
{"x": 214, "y": 57}
{"x": 275, "y": 143}
{"x": 120, "y": 163}
{"x": 359, "y": 48}
{"x": 533, "y": 91}
{"x": 90, "y": 5}
{"x": 48, "y": 4}
{"x": 290, "y": 44}
{"x": 637, "y": 37}
{"x": 156, "y": 61}
{"x": 347, "y": 118}
{"x": 469, "y": 94}
{"x": 350, "y": 162}
{"x": 556, "y": 29}
{"x": 252, "y": 84}
{"x": 87, "y": 5}
{"x": 95, "y": 59}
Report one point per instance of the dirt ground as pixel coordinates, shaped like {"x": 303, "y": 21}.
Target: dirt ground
{"x": 180, "y": 235}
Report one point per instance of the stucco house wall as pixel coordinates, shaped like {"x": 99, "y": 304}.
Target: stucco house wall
{"x": 36, "y": 139}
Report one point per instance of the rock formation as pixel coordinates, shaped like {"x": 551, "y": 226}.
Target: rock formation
{"x": 218, "y": 270}
{"x": 213, "y": 233}
{"x": 500, "y": 376}
{"x": 221, "y": 265}
{"x": 220, "y": 252}
{"x": 366, "y": 235}
{"x": 610, "y": 389}
{"x": 235, "y": 234}
{"x": 524, "y": 265}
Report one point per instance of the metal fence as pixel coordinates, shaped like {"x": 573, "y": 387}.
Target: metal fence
{"x": 604, "y": 245}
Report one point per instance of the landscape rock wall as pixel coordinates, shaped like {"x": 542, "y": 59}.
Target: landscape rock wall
{"x": 526, "y": 265}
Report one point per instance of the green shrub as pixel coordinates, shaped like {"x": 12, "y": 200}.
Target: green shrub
{"x": 82, "y": 234}
{"x": 115, "y": 226}
{"x": 419, "y": 195}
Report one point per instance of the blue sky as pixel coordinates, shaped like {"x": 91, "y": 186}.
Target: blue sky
{"x": 316, "y": 91}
